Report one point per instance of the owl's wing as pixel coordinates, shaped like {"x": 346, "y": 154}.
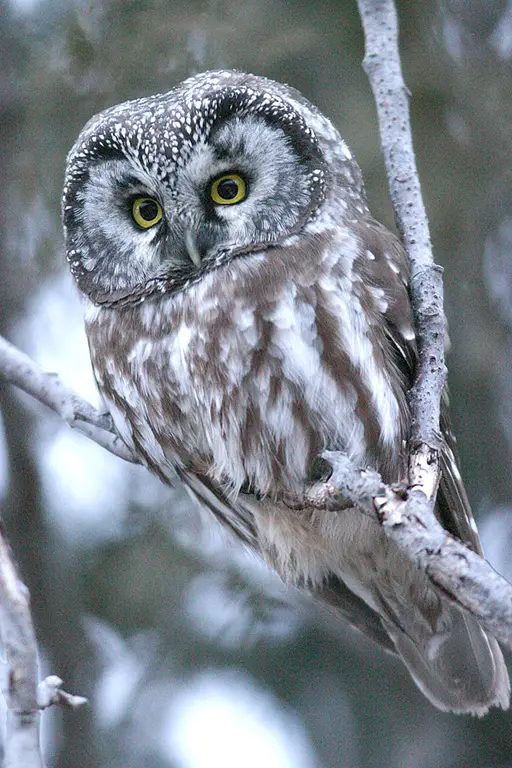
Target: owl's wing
{"x": 237, "y": 519}
{"x": 453, "y": 506}
{"x": 344, "y": 604}
{"x": 454, "y": 662}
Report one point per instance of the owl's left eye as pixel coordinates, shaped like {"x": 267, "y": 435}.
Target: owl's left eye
{"x": 146, "y": 212}
{"x": 228, "y": 189}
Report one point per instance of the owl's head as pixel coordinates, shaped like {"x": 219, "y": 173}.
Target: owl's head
{"x": 162, "y": 189}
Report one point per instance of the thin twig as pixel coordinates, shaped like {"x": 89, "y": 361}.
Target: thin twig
{"x": 50, "y": 692}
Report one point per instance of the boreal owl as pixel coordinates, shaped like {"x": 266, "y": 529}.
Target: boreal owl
{"x": 244, "y": 313}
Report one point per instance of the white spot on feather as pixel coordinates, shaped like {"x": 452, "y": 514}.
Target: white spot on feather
{"x": 379, "y": 295}
{"x": 408, "y": 333}
{"x": 141, "y": 351}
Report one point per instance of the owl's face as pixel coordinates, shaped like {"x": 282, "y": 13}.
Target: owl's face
{"x": 160, "y": 190}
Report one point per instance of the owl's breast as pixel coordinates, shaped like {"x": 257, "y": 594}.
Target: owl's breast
{"x": 245, "y": 386}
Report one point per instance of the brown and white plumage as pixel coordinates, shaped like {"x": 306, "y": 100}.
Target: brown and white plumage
{"x": 234, "y": 343}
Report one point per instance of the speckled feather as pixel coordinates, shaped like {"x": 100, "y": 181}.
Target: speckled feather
{"x": 233, "y": 344}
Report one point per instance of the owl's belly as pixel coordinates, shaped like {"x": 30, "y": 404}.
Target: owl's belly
{"x": 262, "y": 433}
{"x": 265, "y": 433}
{"x": 248, "y": 394}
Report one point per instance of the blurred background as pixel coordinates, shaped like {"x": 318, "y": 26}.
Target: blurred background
{"x": 192, "y": 655}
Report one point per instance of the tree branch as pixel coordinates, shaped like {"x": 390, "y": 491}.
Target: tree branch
{"x": 24, "y": 697}
{"x": 407, "y": 516}
{"x": 19, "y": 642}
{"x": 462, "y": 575}
{"x": 17, "y": 368}
{"x": 382, "y": 65}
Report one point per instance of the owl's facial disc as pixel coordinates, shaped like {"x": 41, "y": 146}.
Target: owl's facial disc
{"x": 162, "y": 190}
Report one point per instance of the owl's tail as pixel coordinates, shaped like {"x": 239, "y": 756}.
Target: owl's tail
{"x": 459, "y": 667}
{"x": 454, "y": 662}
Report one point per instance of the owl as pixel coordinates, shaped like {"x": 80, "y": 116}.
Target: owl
{"x": 246, "y": 312}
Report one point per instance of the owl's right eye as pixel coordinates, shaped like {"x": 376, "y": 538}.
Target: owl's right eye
{"x": 146, "y": 212}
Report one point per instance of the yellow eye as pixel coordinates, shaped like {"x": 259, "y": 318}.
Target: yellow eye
{"x": 146, "y": 212}
{"x": 228, "y": 189}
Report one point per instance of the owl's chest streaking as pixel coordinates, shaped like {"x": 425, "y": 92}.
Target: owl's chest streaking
{"x": 251, "y": 372}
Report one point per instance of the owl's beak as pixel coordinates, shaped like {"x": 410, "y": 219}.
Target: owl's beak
{"x": 192, "y": 249}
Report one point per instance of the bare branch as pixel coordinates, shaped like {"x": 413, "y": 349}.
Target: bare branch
{"x": 19, "y": 369}
{"x": 462, "y": 575}
{"x": 24, "y": 697}
{"x": 382, "y": 65}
